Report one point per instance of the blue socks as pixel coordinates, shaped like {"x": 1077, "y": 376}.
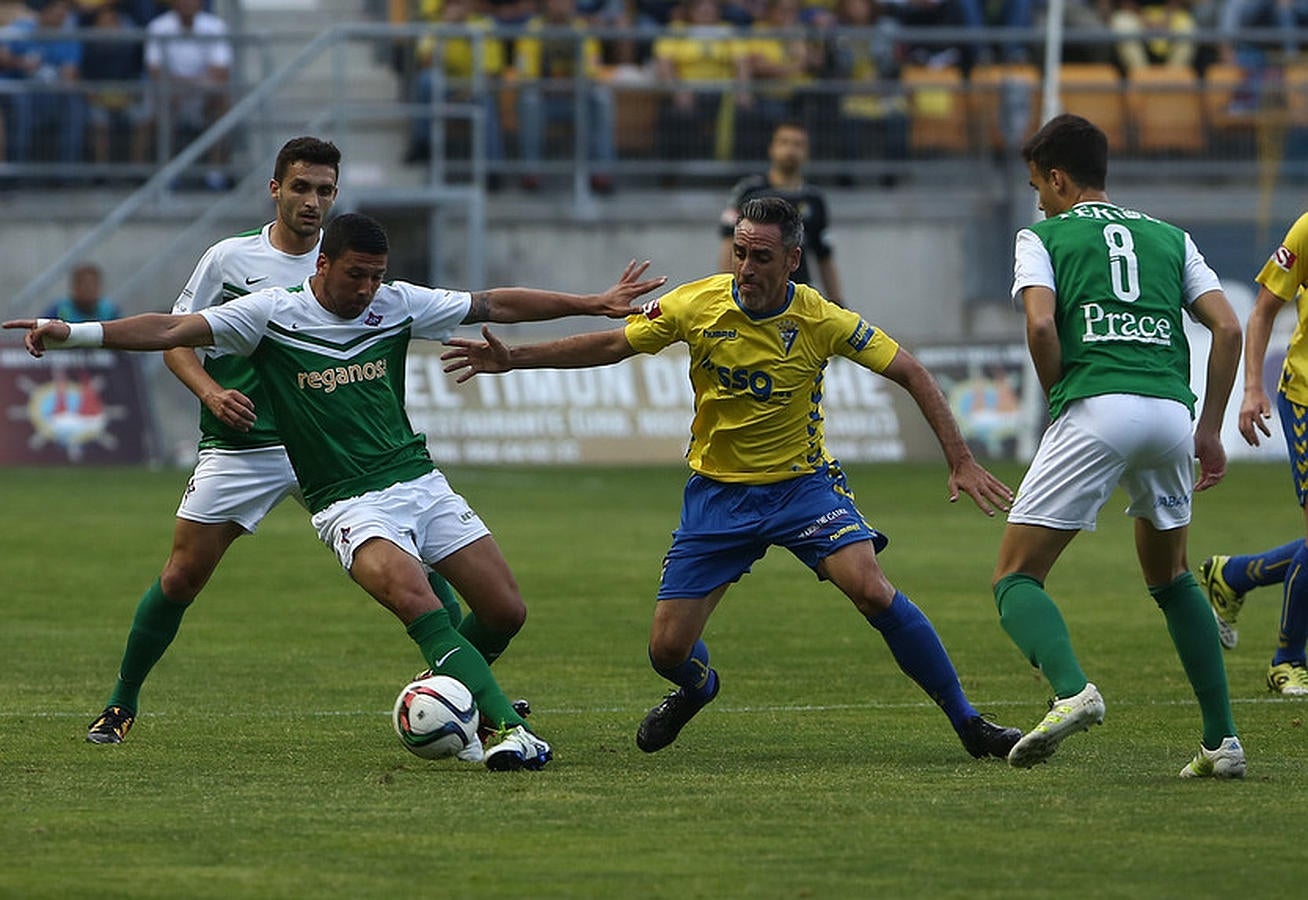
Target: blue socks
{"x": 1244, "y": 573}
{"x": 694, "y": 674}
{"x": 913, "y": 642}
{"x": 1294, "y": 611}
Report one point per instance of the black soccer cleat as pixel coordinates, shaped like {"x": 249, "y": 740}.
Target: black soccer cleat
{"x": 982, "y": 737}
{"x": 111, "y": 726}
{"x": 664, "y": 722}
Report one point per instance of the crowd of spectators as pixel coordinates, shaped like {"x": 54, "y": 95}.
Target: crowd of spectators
{"x": 105, "y": 78}
{"x": 132, "y": 80}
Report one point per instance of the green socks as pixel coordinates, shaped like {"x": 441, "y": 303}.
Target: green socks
{"x": 1034, "y": 623}
{"x": 445, "y": 594}
{"x": 449, "y": 653}
{"x": 1194, "y": 633}
{"x": 153, "y": 629}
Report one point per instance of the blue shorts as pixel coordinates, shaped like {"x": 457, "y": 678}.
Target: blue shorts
{"x": 725, "y": 528}
{"x": 1294, "y": 424}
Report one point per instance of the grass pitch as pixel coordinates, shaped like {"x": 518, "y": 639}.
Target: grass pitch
{"x": 263, "y": 764}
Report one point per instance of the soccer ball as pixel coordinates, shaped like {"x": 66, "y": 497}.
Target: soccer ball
{"x": 435, "y": 717}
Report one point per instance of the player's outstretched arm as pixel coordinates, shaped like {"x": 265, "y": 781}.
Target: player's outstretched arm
{"x": 1215, "y": 313}
{"x": 491, "y": 356}
{"x": 517, "y": 304}
{"x": 230, "y": 406}
{"x": 148, "y": 331}
{"x": 965, "y": 473}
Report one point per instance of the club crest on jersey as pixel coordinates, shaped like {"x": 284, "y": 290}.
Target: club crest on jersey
{"x": 1284, "y": 257}
{"x": 651, "y": 310}
{"x": 373, "y": 318}
{"x": 789, "y": 331}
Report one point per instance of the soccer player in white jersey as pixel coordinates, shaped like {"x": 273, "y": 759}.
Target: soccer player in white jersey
{"x": 759, "y": 345}
{"x": 1104, "y": 289}
{"x": 242, "y": 472}
{"x": 330, "y": 355}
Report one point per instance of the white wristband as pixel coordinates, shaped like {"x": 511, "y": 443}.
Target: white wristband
{"x": 80, "y": 334}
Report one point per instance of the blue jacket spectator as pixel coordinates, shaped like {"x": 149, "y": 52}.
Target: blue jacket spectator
{"x": 84, "y": 302}
{"x": 49, "y": 63}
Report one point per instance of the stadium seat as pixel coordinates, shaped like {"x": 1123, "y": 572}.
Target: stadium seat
{"x": 988, "y": 91}
{"x": 1094, "y": 90}
{"x": 1166, "y": 109}
{"x": 1296, "y": 93}
{"x": 1229, "y": 102}
{"x": 937, "y": 109}
{"x": 637, "y": 111}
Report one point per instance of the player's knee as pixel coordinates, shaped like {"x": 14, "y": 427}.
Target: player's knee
{"x": 181, "y": 581}
{"x": 872, "y": 595}
{"x": 669, "y": 650}
{"x": 507, "y": 619}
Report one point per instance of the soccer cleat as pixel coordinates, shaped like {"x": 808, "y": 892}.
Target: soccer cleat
{"x": 1065, "y": 717}
{"x": 1227, "y": 761}
{"x": 1225, "y": 600}
{"x": 1288, "y": 680}
{"x": 981, "y": 737}
{"x": 111, "y": 726}
{"x": 517, "y": 748}
{"x": 664, "y": 722}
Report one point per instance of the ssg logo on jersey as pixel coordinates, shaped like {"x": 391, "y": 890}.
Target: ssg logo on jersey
{"x": 1284, "y": 257}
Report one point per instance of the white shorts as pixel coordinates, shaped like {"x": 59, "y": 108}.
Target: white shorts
{"x": 423, "y": 517}
{"x": 1145, "y": 444}
{"x": 239, "y": 486}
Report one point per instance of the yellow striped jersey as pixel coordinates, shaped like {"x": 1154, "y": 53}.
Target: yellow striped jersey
{"x": 1284, "y": 274}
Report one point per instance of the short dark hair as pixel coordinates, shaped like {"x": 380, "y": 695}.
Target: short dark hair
{"x": 354, "y": 231}
{"x": 1073, "y": 145}
{"x": 775, "y": 211}
{"x": 312, "y": 150}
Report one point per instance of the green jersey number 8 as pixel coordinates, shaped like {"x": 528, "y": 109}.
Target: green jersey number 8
{"x": 1123, "y": 265}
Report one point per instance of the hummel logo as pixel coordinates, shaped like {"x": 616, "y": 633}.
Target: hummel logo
{"x": 250, "y": 281}
{"x": 440, "y": 662}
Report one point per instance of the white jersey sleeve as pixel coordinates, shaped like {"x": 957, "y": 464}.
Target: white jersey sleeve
{"x": 205, "y": 286}
{"x": 436, "y": 311}
{"x": 1032, "y": 266}
{"x": 1199, "y": 276}
{"x": 239, "y": 325}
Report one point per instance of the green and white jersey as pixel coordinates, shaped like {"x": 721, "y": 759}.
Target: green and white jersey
{"x": 1122, "y": 280}
{"x": 232, "y": 268}
{"x": 337, "y": 385}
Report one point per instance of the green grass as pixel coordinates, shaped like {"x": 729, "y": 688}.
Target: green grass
{"x": 263, "y": 764}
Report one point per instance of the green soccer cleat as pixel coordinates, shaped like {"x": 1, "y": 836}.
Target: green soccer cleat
{"x": 1065, "y": 717}
{"x": 1227, "y": 761}
{"x": 1225, "y": 600}
{"x": 1288, "y": 680}
{"x": 111, "y": 726}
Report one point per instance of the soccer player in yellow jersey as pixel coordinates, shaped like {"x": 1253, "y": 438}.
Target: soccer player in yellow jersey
{"x": 759, "y": 344}
{"x": 1228, "y": 578}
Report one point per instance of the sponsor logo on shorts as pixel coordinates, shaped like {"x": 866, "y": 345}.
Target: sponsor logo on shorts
{"x": 844, "y": 531}
{"x": 1284, "y": 257}
{"x": 345, "y": 536}
{"x": 1171, "y": 501}
{"x": 468, "y": 516}
{"x": 825, "y": 519}
{"x": 330, "y": 379}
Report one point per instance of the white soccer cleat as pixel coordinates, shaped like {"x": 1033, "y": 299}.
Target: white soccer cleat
{"x": 1227, "y": 761}
{"x": 517, "y": 748}
{"x": 1065, "y": 717}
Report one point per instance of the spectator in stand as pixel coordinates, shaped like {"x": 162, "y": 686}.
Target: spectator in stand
{"x": 1287, "y": 16}
{"x": 547, "y": 69}
{"x": 697, "y": 61}
{"x": 776, "y": 58}
{"x": 115, "y": 108}
{"x": 459, "y": 59}
{"x": 1131, "y": 18}
{"x": 84, "y": 302}
{"x": 870, "y": 115}
{"x": 51, "y": 68}
{"x": 189, "y": 60}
